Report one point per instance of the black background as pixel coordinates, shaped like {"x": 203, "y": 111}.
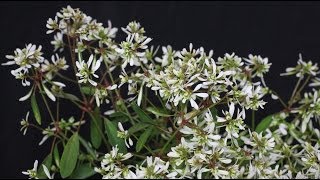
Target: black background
{"x": 277, "y": 30}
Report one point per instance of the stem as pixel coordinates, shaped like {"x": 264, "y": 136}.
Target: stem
{"x": 118, "y": 95}
{"x": 253, "y": 119}
{"x": 66, "y": 78}
{"x": 47, "y": 105}
{"x": 35, "y": 126}
{"x": 294, "y": 91}
{"x": 304, "y": 84}
{"x": 280, "y": 99}
{"x": 171, "y": 138}
{"x": 58, "y": 109}
{"x": 52, "y": 145}
{"x": 73, "y": 60}
{"x": 82, "y": 116}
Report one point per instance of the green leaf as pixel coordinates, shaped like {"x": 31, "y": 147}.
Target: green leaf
{"x": 83, "y": 171}
{"x": 47, "y": 162}
{"x": 119, "y": 117}
{"x": 112, "y": 133}
{"x": 158, "y": 112}
{"x": 67, "y": 96}
{"x": 69, "y": 156}
{"x": 118, "y": 114}
{"x": 264, "y": 124}
{"x": 35, "y": 109}
{"x": 56, "y": 155}
{"x": 141, "y": 114}
{"x": 88, "y": 148}
{"x": 95, "y": 125}
{"x": 214, "y": 112}
{"x": 87, "y": 90}
{"x": 143, "y": 139}
{"x": 137, "y": 127}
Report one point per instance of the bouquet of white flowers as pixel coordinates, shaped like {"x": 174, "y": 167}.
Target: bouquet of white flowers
{"x": 175, "y": 114}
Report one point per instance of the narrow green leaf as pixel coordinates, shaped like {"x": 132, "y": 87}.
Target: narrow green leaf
{"x": 118, "y": 114}
{"x": 83, "y": 171}
{"x": 143, "y": 139}
{"x": 67, "y": 96}
{"x": 88, "y": 147}
{"x": 56, "y": 155}
{"x": 69, "y": 156}
{"x": 112, "y": 133}
{"x": 264, "y": 124}
{"x": 142, "y": 115}
{"x": 158, "y": 112}
{"x": 214, "y": 112}
{"x": 119, "y": 117}
{"x": 87, "y": 90}
{"x": 95, "y": 125}
{"x": 47, "y": 162}
{"x": 137, "y": 127}
{"x": 35, "y": 109}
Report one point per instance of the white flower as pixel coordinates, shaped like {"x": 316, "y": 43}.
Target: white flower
{"x": 58, "y": 42}
{"x": 133, "y": 49}
{"x": 155, "y": 168}
{"x": 21, "y": 73}
{"x": 124, "y": 135}
{"x": 24, "y": 123}
{"x": 315, "y": 82}
{"x": 302, "y": 68}
{"x": 181, "y": 152}
{"x": 231, "y": 62}
{"x": 32, "y": 173}
{"x": 233, "y": 124}
{"x": 86, "y": 70}
{"x": 52, "y": 25}
{"x": 262, "y": 143}
{"x": 101, "y": 94}
{"x": 168, "y": 56}
{"x": 260, "y": 65}
{"x": 27, "y": 57}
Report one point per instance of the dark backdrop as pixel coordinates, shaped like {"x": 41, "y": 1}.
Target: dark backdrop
{"x": 277, "y": 30}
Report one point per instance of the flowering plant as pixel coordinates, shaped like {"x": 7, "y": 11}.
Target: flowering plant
{"x": 175, "y": 114}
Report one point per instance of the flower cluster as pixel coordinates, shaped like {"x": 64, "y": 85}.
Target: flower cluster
{"x": 170, "y": 114}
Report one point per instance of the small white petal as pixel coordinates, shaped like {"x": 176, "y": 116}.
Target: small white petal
{"x": 194, "y": 104}
{"x": 46, "y": 171}
{"x": 43, "y": 140}
{"x": 49, "y": 93}
{"x": 140, "y": 96}
{"x": 204, "y": 95}
{"x": 199, "y": 86}
{"x": 231, "y": 109}
{"x": 26, "y": 96}
{"x": 92, "y": 82}
{"x": 120, "y": 126}
{"x": 58, "y": 84}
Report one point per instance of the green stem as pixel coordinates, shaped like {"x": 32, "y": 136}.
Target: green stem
{"x": 118, "y": 95}
{"x": 66, "y": 78}
{"x": 47, "y": 105}
{"x": 280, "y": 99}
{"x": 253, "y": 119}
{"x": 171, "y": 138}
{"x": 304, "y": 84}
{"x": 294, "y": 91}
